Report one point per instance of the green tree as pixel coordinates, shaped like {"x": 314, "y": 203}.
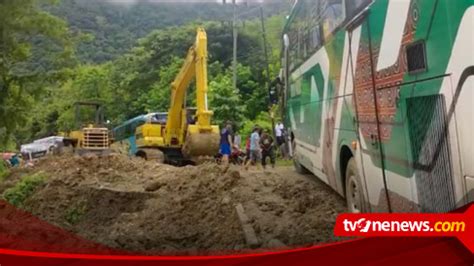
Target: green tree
{"x": 116, "y": 27}
{"x": 225, "y": 101}
{"x": 139, "y": 80}
{"x": 22, "y": 23}
{"x": 158, "y": 98}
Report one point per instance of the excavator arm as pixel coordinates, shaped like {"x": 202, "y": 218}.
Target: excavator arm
{"x": 201, "y": 138}
{"x": 174, "y": 126}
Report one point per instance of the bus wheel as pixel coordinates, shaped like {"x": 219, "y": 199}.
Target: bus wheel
{"x": 356, "y": 202}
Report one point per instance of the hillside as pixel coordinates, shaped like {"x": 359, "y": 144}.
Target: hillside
{"x": 133, "y": 54}
{"x": 115, "y": 27}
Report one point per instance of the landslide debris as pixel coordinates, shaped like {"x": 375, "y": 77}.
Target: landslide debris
{"x": 152, "y": 208}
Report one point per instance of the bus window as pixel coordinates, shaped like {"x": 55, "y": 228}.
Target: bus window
{"x": 315, "y": 37}
{"x": 334, "y": 15}
{"x": 312, "y": 22}
{"x": 298, "y": 36}
{"x": 355, "y": 6}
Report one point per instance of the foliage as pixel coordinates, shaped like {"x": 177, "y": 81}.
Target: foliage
{"x": 74, "y": 213}
{"x": 115, "y": 27}
{"x": 134, "y": 81}
{"x": 24, "y": 26}
{"x": 157, "y": 98}
{"x": 23, "y": 189}
{"x": 263, "y": 121}
{"x": 139, "y": 81}
{"x": 225, "y": 101}
{"x": 4, "y": 172}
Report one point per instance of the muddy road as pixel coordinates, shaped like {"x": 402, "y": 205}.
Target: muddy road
{"x": 151, "y": 208}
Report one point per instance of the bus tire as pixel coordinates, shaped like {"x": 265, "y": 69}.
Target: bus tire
{"x": 300, "y": 169}
{"x": 356, "y": 202}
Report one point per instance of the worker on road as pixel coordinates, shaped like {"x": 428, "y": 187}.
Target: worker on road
{"x": 255, "y": 152}
{"x": 280, "y": 133}
{"x": 279, "y": 127}
{"x": 226, "y": 143}
{"x": 267, "y": 145}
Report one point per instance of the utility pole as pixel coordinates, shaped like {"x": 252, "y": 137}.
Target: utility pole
{"x": 264, "y": 35}
{"x": 234, "y": 29}
{"x": 265, "y": 50}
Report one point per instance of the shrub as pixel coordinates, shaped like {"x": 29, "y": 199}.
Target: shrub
{"x": 4, "y": 172}
{"x": 23, "y": 189}
{"x": 263, "y": 120}
{"x": 74, "y": 213}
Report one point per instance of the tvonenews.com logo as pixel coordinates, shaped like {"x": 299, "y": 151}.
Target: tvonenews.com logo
{"x": 459, "y": 225}
{"x": 364, "y": 225}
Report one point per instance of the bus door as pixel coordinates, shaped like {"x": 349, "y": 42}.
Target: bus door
{"x": 368, "y": 117}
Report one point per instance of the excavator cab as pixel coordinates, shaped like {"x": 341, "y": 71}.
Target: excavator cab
{"x": 91, "y": 134}
{"x": 95, "y": 116}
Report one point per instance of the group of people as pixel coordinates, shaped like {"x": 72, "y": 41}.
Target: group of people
{"x": 260, "y": 145}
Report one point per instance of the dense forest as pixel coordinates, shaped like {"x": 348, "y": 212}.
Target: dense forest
{"x": 116, "y": 27}
{"x": 126, "y": 56}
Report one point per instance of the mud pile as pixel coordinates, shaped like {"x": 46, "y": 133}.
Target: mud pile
{"x": 153, "y": 208}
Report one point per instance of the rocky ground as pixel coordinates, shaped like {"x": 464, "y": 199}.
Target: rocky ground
{"x": 147, "y": 207}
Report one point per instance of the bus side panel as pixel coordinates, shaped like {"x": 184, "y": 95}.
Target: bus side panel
{"x": 434, "y": 107}
{"x": 391, "y": 29}
{"x": 345, "y": 122}
{"x": 424, "y": 122}
{"x": 365, "y": 97}
{"x": 460, "y": 67}
{"x": 418, "y": 130}
{"x": 308, "y": 108}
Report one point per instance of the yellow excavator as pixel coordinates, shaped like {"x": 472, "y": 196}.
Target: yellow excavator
{"x": 188, "y": 133}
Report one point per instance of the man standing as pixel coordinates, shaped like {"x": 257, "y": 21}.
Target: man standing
{"x": 254, "y": 148}
{"x": 266, "y": 142}
{"x": 280, "y": 138}
{"x": 279, "y": 133}
{"x": 226, "y": 143}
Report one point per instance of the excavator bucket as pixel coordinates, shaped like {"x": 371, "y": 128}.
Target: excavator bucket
{"x": 201, "y": 143}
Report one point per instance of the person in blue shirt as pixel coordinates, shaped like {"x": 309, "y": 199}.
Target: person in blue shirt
{"x": 225, "y": 148}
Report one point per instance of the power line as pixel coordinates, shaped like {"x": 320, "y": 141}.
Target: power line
{"x": 234, "y": 33}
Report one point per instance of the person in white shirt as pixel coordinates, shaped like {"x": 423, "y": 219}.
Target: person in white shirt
{"x": 280, "y": 138}
{"x": 278, "y": 129}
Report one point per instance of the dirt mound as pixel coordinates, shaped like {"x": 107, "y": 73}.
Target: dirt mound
{"x": 148, "y": 207}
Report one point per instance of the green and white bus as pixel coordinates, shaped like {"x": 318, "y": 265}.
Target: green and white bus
{"x": 377, "y": 97}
